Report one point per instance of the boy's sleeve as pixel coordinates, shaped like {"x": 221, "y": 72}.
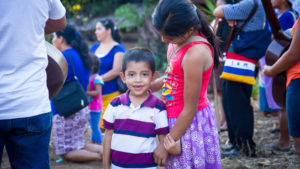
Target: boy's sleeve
{"x": 99, "y": 80}
{"x": 161, "y": 122}
{"x": 109, "y": 118}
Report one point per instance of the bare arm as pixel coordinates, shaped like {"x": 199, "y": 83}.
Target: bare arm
{"x": 55, "y": 25}
{"x": 157, "y": 84}
{"x": 218, "y": 12}
{"x": 94, "y": 93}
{"x": 197, "y": 60}
{"x": 288, "y": 59}
{"x": 115, "y": 71}
{"x": 106, "y": 149}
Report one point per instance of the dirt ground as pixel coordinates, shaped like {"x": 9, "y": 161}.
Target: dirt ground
{"x": 266, "y": 158}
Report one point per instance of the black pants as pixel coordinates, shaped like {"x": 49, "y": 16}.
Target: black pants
{"x": 239, "y": 113}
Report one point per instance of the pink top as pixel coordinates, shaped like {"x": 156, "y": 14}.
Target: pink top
{"x": 95, "y": 104}
{"x": 173, "y": 87}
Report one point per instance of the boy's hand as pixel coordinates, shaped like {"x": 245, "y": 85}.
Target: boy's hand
{"x": 160, "y": 155}
{"x": 171, "y": 146}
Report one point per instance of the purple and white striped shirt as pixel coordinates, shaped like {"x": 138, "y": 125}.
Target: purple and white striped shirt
{"x": 135, "y": 129}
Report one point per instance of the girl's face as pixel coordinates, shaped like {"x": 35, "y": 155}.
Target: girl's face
{"x": 138, "y": 77}
{"x": 57, "y": 41}
{"x": 176, "y": 40}
{"x": 101, "y": 32}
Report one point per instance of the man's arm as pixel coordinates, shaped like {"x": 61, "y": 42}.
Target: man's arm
{"x": 55, "y": 25}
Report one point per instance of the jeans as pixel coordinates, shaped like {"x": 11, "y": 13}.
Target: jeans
{"x": 26, "y": 141}
{"x": 94, "y": 122}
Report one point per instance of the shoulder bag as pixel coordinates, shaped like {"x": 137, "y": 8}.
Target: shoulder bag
{"x": 72, "y": 96}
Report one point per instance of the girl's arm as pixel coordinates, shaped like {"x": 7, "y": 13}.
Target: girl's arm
{"x": 288, "y": 59}
{"x": 157, "y": 84}
{"x": 116, "y": 69}
{"x": 96, "y": 92}
{"x": 106, "y": 149}
{"x": 197, "y": 60}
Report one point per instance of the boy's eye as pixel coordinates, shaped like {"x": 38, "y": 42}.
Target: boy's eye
{"x": 145, "y": 74}
{"x": 130, "y": 74}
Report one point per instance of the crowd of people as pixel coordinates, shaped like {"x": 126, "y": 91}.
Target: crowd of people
{"x": 183, "y": 120}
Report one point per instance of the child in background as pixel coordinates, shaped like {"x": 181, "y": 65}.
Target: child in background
{"x": 133, "y": 119}
{"x": 191, "y": 118}
{"x": 94, "y": 90}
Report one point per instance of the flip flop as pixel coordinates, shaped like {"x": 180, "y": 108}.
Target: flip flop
{"x": 59, "y": 160}
{"x": 274, "y": 147}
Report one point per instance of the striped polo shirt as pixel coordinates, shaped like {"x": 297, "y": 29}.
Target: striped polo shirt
{"x": 135, "y": 129}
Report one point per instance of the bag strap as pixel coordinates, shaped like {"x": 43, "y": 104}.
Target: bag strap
{"x": 73, "y": 69}
{"x": 254, "y": 9}
{"x": 232, "y": 34}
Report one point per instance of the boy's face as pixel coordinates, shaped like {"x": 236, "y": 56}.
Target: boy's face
{"x": 138, "y": 77}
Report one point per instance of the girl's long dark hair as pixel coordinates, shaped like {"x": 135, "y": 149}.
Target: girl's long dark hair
{"x": 74, "y": 39}
{"x": 175, "y": 17}
{"x": 108, "y": 24}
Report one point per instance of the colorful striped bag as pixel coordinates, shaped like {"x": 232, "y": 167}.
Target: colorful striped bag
{"x": 239, "y": 68}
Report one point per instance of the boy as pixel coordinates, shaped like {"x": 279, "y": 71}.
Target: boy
{"x": 133, "y": 119}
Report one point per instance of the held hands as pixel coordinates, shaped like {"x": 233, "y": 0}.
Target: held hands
{"x": 268, "y": 71}
{"x": 171, "y": 146}
{"x": 160, "y": 155}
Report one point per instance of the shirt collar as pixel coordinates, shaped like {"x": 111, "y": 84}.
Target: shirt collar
{"x": 149, "y": 102}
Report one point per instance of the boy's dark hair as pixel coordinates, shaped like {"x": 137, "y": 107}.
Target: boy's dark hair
{"x": 138, "y": 54}
{"x": 95, "y": 64}
{"x": 175, "y": 17}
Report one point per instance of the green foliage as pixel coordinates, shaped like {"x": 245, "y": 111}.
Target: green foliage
{"x": 132, "y": 16}
{"x": 255, "y": 89}
{"x": 89, "y": 7}
{"x": 208, "y": 9}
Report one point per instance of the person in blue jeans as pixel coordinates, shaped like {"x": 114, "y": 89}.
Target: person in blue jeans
{"x": 25, "y": 118}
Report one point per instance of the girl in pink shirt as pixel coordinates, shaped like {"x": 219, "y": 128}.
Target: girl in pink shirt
{"x": 191, "y": 117}
{"x": 94, "y": 90}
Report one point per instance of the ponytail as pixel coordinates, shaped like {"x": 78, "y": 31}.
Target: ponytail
{"x": 210, "y": 36}
{"x": 108, "y": 24}
{"x": 74, "y": 39}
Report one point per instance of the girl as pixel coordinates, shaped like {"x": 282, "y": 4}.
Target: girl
{"x": 191, "y": 117}
{"x": 68, "y": 133}
{"x": 94, "y": 90}
{"x": 110, "y": 52}
{"x": 290, "y": 62}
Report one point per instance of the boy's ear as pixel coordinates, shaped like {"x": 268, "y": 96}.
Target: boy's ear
{"x": 155, "y": 74}
{"x": 122, "y": 76}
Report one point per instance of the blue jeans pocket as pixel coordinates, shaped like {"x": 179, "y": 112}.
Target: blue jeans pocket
{"x": 39, "y": 123}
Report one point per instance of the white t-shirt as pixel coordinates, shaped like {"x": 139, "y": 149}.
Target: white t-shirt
{"x": 23, "y": 57}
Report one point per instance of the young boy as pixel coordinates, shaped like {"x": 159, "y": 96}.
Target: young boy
{"x": 133, "y": 119}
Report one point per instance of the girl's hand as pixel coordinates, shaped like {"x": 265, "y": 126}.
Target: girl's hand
{"x": 268, "y": 71}
{"x": 171, "y": 146}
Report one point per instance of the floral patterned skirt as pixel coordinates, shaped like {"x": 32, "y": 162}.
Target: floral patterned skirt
{"x": 68, "y": 133}
{"x": 200, "y": 143}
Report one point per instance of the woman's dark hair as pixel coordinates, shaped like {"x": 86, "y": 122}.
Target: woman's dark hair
{"x": 175, "y": 18}
{"x": 74, "y": 39}
{"x": 95, "y": 64}
{"x": 108, "y": 24}
{"x": 138, "y": 54}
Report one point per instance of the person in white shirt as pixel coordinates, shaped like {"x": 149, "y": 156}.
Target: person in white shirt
{"x": 25, "y": 118}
